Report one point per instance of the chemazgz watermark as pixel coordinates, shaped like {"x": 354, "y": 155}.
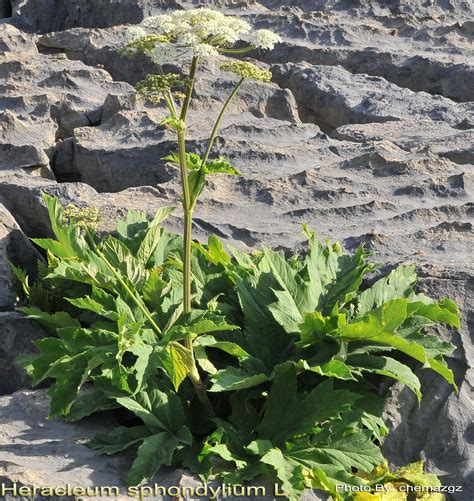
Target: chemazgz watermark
{"x": 401, "y": 488}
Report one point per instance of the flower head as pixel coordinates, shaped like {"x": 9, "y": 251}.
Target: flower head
{"x": 85, "y": 217}
{"x": 145, "y": 43}
{"x": 247, "y": 70}
{"x": 201, "y": 33}
{"x": 153, "y": 87}
{"x": 135, "y": 32}
{"x": 264, "y": 39}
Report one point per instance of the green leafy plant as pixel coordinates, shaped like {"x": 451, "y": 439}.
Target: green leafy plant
{"x": 237, "y": 366}
{"x": 287, "y": 348}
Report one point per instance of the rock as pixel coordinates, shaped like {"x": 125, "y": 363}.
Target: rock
{"x": 23, "y": 197}
{"x": 98, "y": 47}
{"x": 127, "y": 150}
{"x": 17, "y": 249}
{"x": 331, "y": 97}
{"x": 17, "y": 334}
{"x": 71, "y": 13}
{"x": 43, "y": 453}
{"x": 45, "y": 98}
{"x": 5, "y": 9}
{"x": 438, "y": 63}
{"x": 438, "y": 138}
{"x": 14, "y": 40}
{"x": 421, "y": 73}
{"x": 26, "y": 157}
{"x": 439, "y": 430}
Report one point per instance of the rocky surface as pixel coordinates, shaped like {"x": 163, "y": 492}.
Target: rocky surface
{"x": 367, "y": 135}
{"x": 38, "y": 452}
{"x": 17, "y": 334}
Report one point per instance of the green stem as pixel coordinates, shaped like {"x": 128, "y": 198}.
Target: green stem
{"x": 189, "y": 91}
{"x": 215, "y": 130}
{"x": 170, "y": 103}
{"x": 243, "y": 50}
{"x": 188, "y": 221}
{"x": 183, "y": 166}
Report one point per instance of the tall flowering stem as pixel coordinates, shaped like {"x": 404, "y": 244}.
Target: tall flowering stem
{"x": 199, "y": 33}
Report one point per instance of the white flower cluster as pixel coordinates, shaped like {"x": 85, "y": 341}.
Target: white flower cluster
{"x": 264, "y": 39}
{"x": 197, "y": 32}
{"x": 135, "y": 32}
{"x": 205, "y": 24}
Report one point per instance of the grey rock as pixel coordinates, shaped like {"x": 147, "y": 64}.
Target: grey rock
{"x": 22, "y": 195}
{"x": 14, "y": 248}
{"x": 70, "y": 13}
{"x": 27, "y": 157}
{"x": 14, "y": 40}
{"x": 98, "y": 47}
{"x": 44, "y": 98}
{"x": 423, "y": 135}
{"x": 420, "y": 73}
{"x": 52, "y": 453}
{"x": 429, "y": 52}
{"x": 128, "y": 149}
{"x": 332, "y": 96}
{"x": 17, "y": 334}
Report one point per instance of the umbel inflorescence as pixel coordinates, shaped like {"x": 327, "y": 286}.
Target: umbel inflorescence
{"x": 199, "y": 33}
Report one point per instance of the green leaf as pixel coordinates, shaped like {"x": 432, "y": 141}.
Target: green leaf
{"x": 152, "y": 237}
{"x": 220, "y": 166}
{"x": 398, "y": 284}
{"x": 118, "y": 439}
{"x": 21, "y": 277}
{"x": 445, "y": 311}
{"x": 223, "y": 452}
{"x": 233, "y": 378}
{"x": 158, "y": 410}
{"x": 226, "y": 346}
{"x": 334, "y": 368}
{"x": 50, "y": 321}
{"x": 334, "y": 275}
{"x": 69, "y": 243}
{"x": 193, "y": 160}
{"x": 197, "y": 181}
{"x": 203, "y": 360}
{"x": 315, "y": 326}
{"x": 289, "y": 413}
{"x": 70, "y": 374}
{"x": 155, "y": 451}
{"x": 214, "y": 251}
{"x": 415, "y": 475}
{"x": 183, "y": 363}
{"x": 174, "y": 123}
{"x": 52, "y": 349}
{"x": 379, "y": 326}
{"x": 387, "y": 366}
{"x": 88, "y": 403}
{"x": 288, "y": 473}
{"x": 352, "y": 450}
